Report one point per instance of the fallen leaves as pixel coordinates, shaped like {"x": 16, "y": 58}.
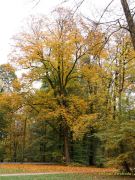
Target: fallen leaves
{"x": 36, "y": 168}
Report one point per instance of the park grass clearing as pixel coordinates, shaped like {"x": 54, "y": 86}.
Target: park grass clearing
{"x": 65, "y": 177}
{"x": 57, "y": 172}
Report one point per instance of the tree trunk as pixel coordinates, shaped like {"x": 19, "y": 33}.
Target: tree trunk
{"x": 60, "y": 139}
{"x": 91, "y": 160}
{"x": 130, "y": 21}
{"x": 66, "y": 148}
{"x": 126, "y": 167}
{"x": 45, "y": 142}
{"x": 15, "y": 152}
{"x": 91, "y": 147}
{"x": 24, "y": 140}
{"x": 71, "y": 147}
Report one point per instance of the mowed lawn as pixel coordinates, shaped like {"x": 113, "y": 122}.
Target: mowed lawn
{"x": 66, "y": 177}
{"x": 62, "y": 172}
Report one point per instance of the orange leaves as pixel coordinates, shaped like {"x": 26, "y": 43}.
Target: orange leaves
{"x": 76, "y": 105}
{"x": 10, "y": 100}
{"x": 82, "y": 124}
{"x": 10, "y": 104}
{"x": 56, "y": 49}
{"x": 89, "y": 70}
{"x": 16, "y": 85}
{"x": 55, "y": 54}
{"x": 56, "y": 168}
{"x": 8, "y": 68}
{"x": 96, "y": 43}
{"x": 95, "y": 76}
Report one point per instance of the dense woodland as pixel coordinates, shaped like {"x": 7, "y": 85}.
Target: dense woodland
{"x": 74, "y": 98}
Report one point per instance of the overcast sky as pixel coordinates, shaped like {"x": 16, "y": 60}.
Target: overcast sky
{"x": 13, "y": 12}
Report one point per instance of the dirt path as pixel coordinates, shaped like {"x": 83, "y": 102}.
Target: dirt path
{"x": 31, "y": 174}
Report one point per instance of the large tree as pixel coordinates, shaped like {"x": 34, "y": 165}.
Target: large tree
{"x": 52, "y": 53}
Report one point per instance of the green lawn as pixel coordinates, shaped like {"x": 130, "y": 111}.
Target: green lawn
{"x": 65, "y": 177}
{"x": 11, "y": 171}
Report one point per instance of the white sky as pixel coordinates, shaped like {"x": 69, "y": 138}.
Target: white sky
{"x": 13, "y": 12}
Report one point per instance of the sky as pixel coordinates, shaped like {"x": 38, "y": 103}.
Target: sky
{"x": 13, "y": 13}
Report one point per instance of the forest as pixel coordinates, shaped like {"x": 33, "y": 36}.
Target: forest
{"x": 67, "y": 93}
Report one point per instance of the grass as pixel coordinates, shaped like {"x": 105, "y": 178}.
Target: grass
{"x": 65, "y": 177}
{"x": 11, "y": 171}
{"x": 62, "y": 172}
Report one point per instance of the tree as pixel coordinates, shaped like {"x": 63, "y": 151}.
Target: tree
{"x": 52, "y": 54}
{"x": 130, "y": 20}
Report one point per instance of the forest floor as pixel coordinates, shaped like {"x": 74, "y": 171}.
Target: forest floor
{"x": 57, "y": 172}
